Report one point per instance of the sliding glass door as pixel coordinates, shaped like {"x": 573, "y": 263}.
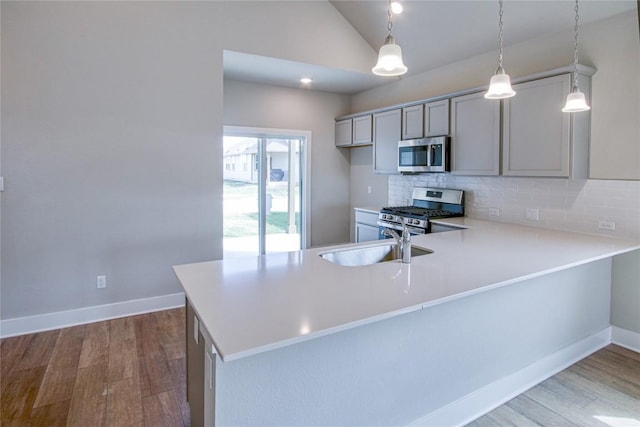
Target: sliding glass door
{"x": 262, "y": 193}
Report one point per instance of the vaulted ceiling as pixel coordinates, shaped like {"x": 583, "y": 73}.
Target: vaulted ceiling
{"x": 432, "y": 33}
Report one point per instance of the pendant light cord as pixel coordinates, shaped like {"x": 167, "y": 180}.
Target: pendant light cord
{"x": 500, "y": 48}
{"x": 575, "y": 51}
{"x": 389, "y": 25}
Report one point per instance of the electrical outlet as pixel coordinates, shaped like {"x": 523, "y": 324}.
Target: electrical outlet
{"x": 369, "y": 190}
{"x": 494, "y": 212}
{"x": 101, "y": 282}
{"x": 532, "y": 214}
{"x": 607, "y": 225}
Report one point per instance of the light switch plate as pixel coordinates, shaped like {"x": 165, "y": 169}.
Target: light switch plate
{"x": 1, "y": 183}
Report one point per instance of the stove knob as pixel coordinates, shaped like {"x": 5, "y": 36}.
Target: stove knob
{"x": 416, "y": 221}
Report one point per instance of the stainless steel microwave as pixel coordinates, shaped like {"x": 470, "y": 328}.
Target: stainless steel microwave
{"x": 424, "y": 155}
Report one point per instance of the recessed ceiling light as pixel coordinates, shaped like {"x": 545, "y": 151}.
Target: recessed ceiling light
{"x": 396, "y": 7}
{"x": 305, "y": 80}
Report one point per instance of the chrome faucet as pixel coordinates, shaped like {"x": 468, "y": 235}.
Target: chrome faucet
{"x": 403, "y": 241}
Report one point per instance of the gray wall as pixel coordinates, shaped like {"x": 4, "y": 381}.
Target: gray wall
{"x": 106, "y": 145}
{"x": 361, "y": 178}
{"x": 625, "y": 291}
{"x": 255, "y": 105}
{"x": 112, "y": 116}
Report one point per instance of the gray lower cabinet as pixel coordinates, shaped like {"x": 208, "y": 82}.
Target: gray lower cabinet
{"x": 200, "y": 372}
{"x": 387, "y": 131}
{"x": 536, "y": 133}
{"x": 475, "y": 135}
{"x": 366, "y": 225}
{"x": 366, "y": 233}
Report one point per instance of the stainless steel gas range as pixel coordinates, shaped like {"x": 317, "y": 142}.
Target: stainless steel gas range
{"x": 428, "y": 203}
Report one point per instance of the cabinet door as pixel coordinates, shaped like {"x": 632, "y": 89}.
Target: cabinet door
{"x": 475, "y": 135}
{"x": 366, "y": 232}
{"x": 195, "y": 367}
{"x": 343, "y": 132}
{"x": 362, "y": 130}
{"x": 535, "y": 131}
{"x": 413, "y": 122}
{"x": 436, "y": 118}
{"x": 387, "y": 127}
{"x": 209, "y": 399}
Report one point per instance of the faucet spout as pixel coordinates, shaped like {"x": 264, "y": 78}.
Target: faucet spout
{"x": 405, "y": 244}
{"x": 403, "y": 241}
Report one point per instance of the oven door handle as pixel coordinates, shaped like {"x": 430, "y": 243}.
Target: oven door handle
{"x": 398, "y": 227}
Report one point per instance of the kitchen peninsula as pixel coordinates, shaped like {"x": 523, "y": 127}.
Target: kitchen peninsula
{"x": 293, "y": 339}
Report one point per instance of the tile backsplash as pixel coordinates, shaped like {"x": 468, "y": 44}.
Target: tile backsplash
{"x": 563, "y": 204}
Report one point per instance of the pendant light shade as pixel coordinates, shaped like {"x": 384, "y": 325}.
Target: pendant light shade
{"x": 390, "y": 55}
{"x": 576, "y": 100}
{"x": 500, "y": 87}
{"x": 500, "y": 84}
{"x": 389, "y": 60}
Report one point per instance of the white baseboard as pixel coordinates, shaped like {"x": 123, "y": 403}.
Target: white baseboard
{"x": 80, "y": 316}
{"x": 489, "y": 397}
{"x": 625, "y": 338}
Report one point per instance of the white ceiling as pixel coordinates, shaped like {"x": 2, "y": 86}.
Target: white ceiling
{"x": 281, "y": 72}
{"x": 432, "y": 33}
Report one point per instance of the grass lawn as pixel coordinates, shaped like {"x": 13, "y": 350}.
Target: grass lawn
{"x": 241, "y": 224}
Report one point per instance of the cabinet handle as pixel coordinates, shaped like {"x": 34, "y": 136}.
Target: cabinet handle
{"x": 210, "y": 366}
{"x": 196, "y": 329}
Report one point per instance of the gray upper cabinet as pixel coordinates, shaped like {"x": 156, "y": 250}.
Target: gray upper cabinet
{"x": 362, "y": 130}
{"x": 413, "y": 122}
{"x": 387, "y": 131}
{"x": 436, "y": 118}
{"x": 475, "y": 135}
{"x": 536, "y": 133}
{"x": 430, "y": 119}
{"x": 344, "y": 132}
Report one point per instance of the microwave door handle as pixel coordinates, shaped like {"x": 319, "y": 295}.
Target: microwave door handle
{"x": 429, "y": 155}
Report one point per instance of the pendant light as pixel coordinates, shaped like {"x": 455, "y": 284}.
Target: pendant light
{"x": 500, "y": 85}
{"x": 575, "y": 100}
{"x": 390, "y": 56}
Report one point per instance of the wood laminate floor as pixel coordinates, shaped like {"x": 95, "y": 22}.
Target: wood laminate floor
{"x": 121, "y": 372}
{"x": 131, "y": 372}
{"x": 600, "y": 390}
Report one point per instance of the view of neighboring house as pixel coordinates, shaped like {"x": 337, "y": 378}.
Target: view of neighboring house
{"x": 241, "y": 159}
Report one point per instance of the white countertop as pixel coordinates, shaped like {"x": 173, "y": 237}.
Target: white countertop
{"x": 255, "y": 304}
{"x": 368, "y": 209}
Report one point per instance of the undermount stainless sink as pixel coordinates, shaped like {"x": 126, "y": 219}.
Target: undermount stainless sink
{"x": 353, "y": 257}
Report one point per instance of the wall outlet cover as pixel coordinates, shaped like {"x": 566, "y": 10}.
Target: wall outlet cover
{"x": 101, "y": 282}
{"x": 494, "y": 212}
{"x": 533, "y": 214}
{"x": 607, "y": 225}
